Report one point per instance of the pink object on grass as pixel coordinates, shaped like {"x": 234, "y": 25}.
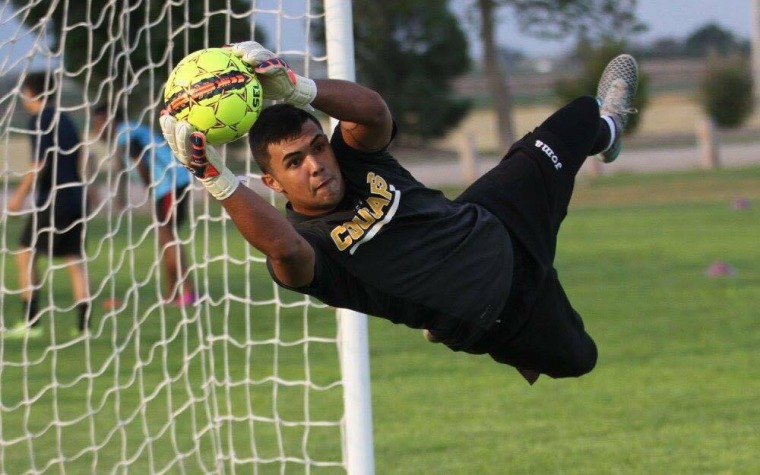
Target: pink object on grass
{"x": 741, "y": 203}
{"x": 720, "y": 269}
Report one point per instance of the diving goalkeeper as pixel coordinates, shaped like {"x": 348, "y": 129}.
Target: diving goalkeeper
{"x": 476, "y": 273}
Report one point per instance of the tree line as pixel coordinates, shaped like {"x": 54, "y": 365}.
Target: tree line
{"x": 708, "y": 39}
{"x": 410, "y": 52}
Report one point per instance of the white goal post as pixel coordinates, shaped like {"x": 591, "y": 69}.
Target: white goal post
{"x": 248, "y": 378}
{"x": 353, "y": 338}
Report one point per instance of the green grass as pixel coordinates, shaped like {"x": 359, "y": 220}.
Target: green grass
{"x": 675, "y": 390}
{"x": 141, "y": 389}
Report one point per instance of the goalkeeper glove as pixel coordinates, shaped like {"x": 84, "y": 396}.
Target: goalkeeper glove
{"x": 202, "y": 160}
{"x": 274, "y": 74}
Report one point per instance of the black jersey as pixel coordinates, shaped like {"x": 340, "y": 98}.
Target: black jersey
{"x": 56, "y": 147}
{"x": 401, "y": 251}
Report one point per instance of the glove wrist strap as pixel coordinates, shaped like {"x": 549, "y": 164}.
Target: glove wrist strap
{"x": 222, "y": 185}
{"x": 304, "y": 92}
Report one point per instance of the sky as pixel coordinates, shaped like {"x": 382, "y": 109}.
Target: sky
{"x": 671, "y": 18}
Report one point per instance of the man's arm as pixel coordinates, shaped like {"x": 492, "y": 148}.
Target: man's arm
{"x": 266, "y": 229}
{"x": 365, "y": 120}
{"x": 25, "y": 185}
{"x": 260, "y": 223}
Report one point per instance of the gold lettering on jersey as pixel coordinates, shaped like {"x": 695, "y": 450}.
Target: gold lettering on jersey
{"x": 339, "y": 239}
{"x": 354, "y": 230}
{"x": 379, "y": 208}
{"x": 376, "y": 206}
{"x": 364, "y": 218}
{"x": 378, "y": 186}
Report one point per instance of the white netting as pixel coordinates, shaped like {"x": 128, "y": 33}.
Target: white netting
{"x": 246, "y": 380}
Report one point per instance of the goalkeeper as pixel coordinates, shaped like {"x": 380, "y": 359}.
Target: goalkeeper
{"x": 362, "y": 233}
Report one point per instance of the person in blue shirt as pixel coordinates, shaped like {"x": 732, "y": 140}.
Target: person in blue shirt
{"x": 55, "y": 226}
{"x": 147, "y": 154}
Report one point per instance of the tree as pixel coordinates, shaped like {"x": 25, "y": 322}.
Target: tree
{"x": 711, "y": 38}
{"x": 663, "y": 48}
{"x": 726, "y": 91}
{"x": 108, "y": 45}
{"x": 496, "y": 78}
{"x": 593, "y": 19}
{"x": 410, "y": 52}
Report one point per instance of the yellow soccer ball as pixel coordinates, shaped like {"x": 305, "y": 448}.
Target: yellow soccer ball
{"x": 216, "y": 92}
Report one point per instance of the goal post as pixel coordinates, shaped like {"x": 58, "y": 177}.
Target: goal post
{"x": 248, "y": 378}
{"x": 353, "y": 340}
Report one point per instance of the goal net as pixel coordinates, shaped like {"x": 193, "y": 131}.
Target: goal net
{"x": 214, "y": 371}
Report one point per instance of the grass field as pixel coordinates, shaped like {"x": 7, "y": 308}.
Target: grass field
{"x": 675, "y": 390}
{"x": 159, "y": 389}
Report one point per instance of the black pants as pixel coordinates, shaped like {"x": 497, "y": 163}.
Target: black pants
{"x": 59, "y": 233}
{"x": 529, "y": 191}
{"x": 173, "y": 206}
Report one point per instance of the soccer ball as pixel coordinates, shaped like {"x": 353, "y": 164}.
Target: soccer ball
{"x": 216, "y": 92}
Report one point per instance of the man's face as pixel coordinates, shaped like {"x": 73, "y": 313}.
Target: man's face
{"x": 28, "y": 100}
{"x": 305, "y": 170}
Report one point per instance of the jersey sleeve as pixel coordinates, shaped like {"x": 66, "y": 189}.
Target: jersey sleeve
{"x": 332, "y": 284}
{"x": 320, "y": 270}
{"x": 342, "y": 148}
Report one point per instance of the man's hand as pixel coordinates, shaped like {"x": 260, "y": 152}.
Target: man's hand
{"x": 274, "y": 74}
{"x": 203, "y": 161}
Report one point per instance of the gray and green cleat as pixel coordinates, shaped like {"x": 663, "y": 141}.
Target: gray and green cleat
{"x": 22, "y": 330}
{"x": 615, "y": 93}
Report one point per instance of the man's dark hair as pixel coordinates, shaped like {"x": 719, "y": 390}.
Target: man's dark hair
{"x": 275, "y": 124}
{"x": 36, "y": 83}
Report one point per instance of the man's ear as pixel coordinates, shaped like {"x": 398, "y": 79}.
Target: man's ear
{"x": 270, "y": 182}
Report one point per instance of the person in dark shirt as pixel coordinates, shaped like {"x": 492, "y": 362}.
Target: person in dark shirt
{"x": 476, "y": 273}
{"x": 55, "y": 226}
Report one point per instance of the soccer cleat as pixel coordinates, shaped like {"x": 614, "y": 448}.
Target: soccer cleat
{"x": 186, "y": 299}
{"x": 21, "y": 330}
{"x": 615, "y": 93}
{"x": 76, "y": 333}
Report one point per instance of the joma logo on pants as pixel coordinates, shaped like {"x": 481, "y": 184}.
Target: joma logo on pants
{"x": 549, "y": 153}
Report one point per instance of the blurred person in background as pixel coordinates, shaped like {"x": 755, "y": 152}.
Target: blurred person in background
{"x": 148, "y": 155}
{"x": 55, "y": 226}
